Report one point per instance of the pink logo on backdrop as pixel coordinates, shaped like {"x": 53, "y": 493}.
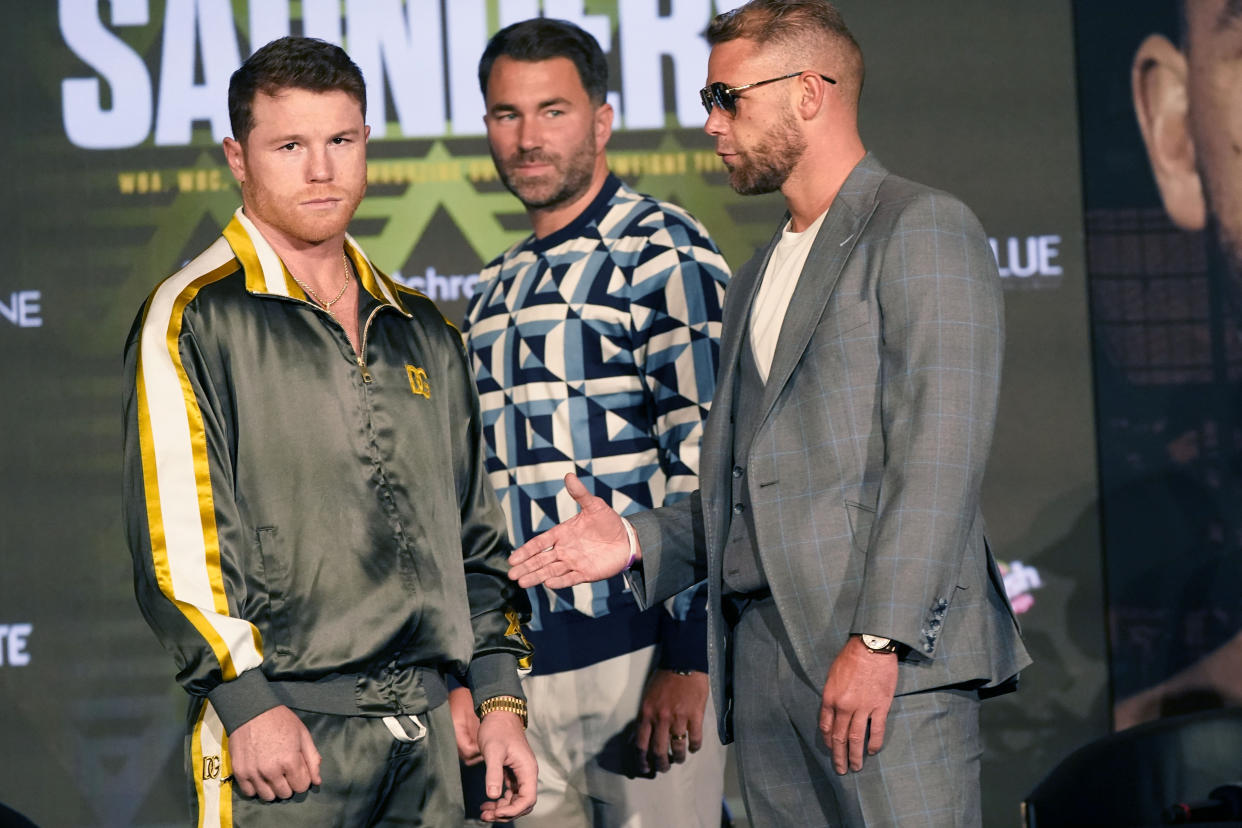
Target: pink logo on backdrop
{"x": 1020, "y": 581}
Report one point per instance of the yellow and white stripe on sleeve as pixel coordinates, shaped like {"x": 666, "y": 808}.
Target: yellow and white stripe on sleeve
{"x": 181, "y": 516}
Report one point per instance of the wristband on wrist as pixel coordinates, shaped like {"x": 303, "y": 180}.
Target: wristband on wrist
{"x": 509, "y": 704}
{"x": 632, "y": 537}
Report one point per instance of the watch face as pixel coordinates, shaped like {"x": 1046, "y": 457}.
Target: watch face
{"x": 875, "y": 642}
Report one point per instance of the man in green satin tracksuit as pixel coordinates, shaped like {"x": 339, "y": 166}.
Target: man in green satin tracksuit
{"x": 314, "y": 537}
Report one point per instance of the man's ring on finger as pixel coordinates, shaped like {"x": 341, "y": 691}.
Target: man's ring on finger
{"x": 677, "y": 737}
{"x": 547, "y": 549}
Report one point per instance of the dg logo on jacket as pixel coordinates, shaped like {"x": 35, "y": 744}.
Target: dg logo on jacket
{"x": 418, "y": 381}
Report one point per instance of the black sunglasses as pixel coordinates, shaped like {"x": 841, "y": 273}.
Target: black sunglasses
{"x": 725, "y": 97}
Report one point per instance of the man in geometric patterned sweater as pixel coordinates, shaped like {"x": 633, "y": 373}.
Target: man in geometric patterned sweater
{"x": 594, "y": 344}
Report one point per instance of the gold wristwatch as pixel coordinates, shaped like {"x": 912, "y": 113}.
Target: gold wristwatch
{"x": 509, "y": 704}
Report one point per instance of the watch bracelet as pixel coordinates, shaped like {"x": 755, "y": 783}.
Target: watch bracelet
{"x": 508, "y": 704}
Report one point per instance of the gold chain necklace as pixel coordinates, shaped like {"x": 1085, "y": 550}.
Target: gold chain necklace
{"x": 318, "y": 300}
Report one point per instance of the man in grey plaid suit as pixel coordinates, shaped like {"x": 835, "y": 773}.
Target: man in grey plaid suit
{"x": 854, "y": 604}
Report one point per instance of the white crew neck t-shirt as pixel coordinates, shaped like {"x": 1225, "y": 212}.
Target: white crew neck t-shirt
{"x": 780, "y": 278}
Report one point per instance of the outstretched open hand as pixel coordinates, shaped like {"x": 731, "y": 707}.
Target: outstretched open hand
{"x": 590, "y": 546}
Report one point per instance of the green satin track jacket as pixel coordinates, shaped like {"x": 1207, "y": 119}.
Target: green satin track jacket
{"x": 309, "y": 525}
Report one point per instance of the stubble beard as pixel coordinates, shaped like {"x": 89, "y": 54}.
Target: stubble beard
{"x": 574, "y": 173}
{"x": 765, "y": 170}
{"x": 284, "y": 215}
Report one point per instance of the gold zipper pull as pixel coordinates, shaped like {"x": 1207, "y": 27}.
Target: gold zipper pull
{"x": 362, "y": 366}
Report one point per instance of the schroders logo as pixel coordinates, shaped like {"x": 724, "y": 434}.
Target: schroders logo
{"x": 118, "y": 98}
{"x": 441, "y": 288}
{"x": 13, "y": 639}
{"x": 22, "y": 308}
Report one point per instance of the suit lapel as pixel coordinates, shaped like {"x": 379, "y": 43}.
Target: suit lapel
{"x": 717, "y": 449}
{"x": 846, "y": 220}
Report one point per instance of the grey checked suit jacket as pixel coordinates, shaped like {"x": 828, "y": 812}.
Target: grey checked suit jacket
{"x": 865, "y": 470}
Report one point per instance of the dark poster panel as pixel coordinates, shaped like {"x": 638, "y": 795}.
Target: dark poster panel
{"x": 1163, "y": 259}
{"x": 116, "y": 178}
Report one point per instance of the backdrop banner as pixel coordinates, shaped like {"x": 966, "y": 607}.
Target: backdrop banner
{"x": 116, "y": 178}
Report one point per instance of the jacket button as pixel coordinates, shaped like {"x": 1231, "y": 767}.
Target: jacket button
{"x": 738, "y": 508}
{"x": 737, "y": 471}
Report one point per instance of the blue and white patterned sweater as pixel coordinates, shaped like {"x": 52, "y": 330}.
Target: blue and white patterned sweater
{"x": 595, "y": 352}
